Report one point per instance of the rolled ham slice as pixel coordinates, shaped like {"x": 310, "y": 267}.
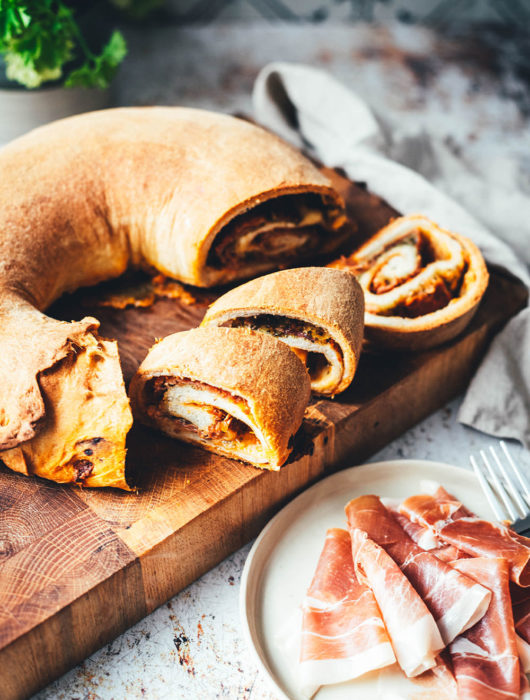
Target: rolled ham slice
{"x": 423, "y": 536}
{"x": 413, "y": 632}
{"x": 426, "y": 539}
{"x": 523, "y": 649}
{"x": 521, "y": 614}
{"x": 456, "y": 601}
{"x": 524, "y": 690}
{"x": 433, "y": 508}
{"x": 436, "y": 684}
{"x": 343, "y": 634}
{"x": 453, "y": 523}
{"x": 485, "y": 658}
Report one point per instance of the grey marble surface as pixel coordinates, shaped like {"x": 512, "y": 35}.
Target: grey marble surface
{"x": 192, "y": 647}
{"x": 455, "y": 91}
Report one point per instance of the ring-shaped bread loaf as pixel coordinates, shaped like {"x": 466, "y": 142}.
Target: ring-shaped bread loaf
{"x": 202, "y": 197}
{"x": 317, "y": 311}
{"x": 421, "y": 283}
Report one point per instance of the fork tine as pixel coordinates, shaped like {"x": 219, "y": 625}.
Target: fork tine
{"x": 499, "y": 487}
{"x": 516, "y": 471}
{"x": 523, "y": 507}
{"x": 488, "y": 492}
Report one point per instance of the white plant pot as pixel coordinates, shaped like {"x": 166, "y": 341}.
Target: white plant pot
{"x": 23, "y": 110}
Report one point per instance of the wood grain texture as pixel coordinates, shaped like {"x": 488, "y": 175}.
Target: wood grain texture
{"x": 77, "y": 567}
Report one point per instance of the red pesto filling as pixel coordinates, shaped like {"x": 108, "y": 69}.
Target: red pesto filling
{"x": 284, "y": 209}
{"x": 224, "y": 426}
{"x": 280, "y": 326}
{"x": 433, "y": 297}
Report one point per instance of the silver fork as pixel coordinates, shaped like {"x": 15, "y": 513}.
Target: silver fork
{"x": 508, "y": 496}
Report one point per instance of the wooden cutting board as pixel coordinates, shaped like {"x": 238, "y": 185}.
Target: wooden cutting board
{"x": 77, "y": 567}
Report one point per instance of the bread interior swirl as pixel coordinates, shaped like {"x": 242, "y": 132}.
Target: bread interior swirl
{"x": 285, "y": 228}
{"x": 199, "y": 413}
{"x": 321, "y": 354}
{"x": 412, "y": 272}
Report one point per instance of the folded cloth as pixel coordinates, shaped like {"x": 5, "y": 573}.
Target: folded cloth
{"x": 311, "y": 109}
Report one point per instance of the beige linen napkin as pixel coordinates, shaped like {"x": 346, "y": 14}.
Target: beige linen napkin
{"x": 314, "y": 111}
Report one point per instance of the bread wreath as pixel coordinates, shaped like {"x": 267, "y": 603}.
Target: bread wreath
{"x": 81, "y": 200}
{"x": 250, "y": 376}
{"x": 328, "y": 301}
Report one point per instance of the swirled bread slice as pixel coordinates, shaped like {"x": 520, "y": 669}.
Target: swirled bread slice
{"x": 421, "y": 283}
{"x": 317, "y": 311}
{"x": 232, "y": 391}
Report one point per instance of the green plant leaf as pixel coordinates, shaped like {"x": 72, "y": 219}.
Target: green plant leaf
{"x": 99, "y": 70}
{"x": 38, "y": 38}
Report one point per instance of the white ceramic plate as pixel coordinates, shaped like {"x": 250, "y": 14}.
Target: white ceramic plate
{"x": 282, "y": 561}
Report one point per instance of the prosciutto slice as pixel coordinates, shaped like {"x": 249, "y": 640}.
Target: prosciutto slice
{"x": 524, "y": 690}
{"x": 485, "y": 658}
{"x": 456, "y": 601}
{"x": 453, "y": 523}
{"x": 424, "y": 537}
{"x": 343, "y": 634}
{"x": 523, "y": 649}
{"x": 521, "y": 614}
{"x": 413, "y": 632}
{"x": 436, "y": 684}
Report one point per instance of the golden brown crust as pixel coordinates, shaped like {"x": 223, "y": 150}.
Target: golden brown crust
{"x": 327, "y": 298}
{"x": 430, "y": 329}
{"x": 31, "y": 343}
{"x": 254, "y": 366}
{"x": 86, "y": 421}
{"x": 142, "y": 186}
{"x": 84, "y": 198}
